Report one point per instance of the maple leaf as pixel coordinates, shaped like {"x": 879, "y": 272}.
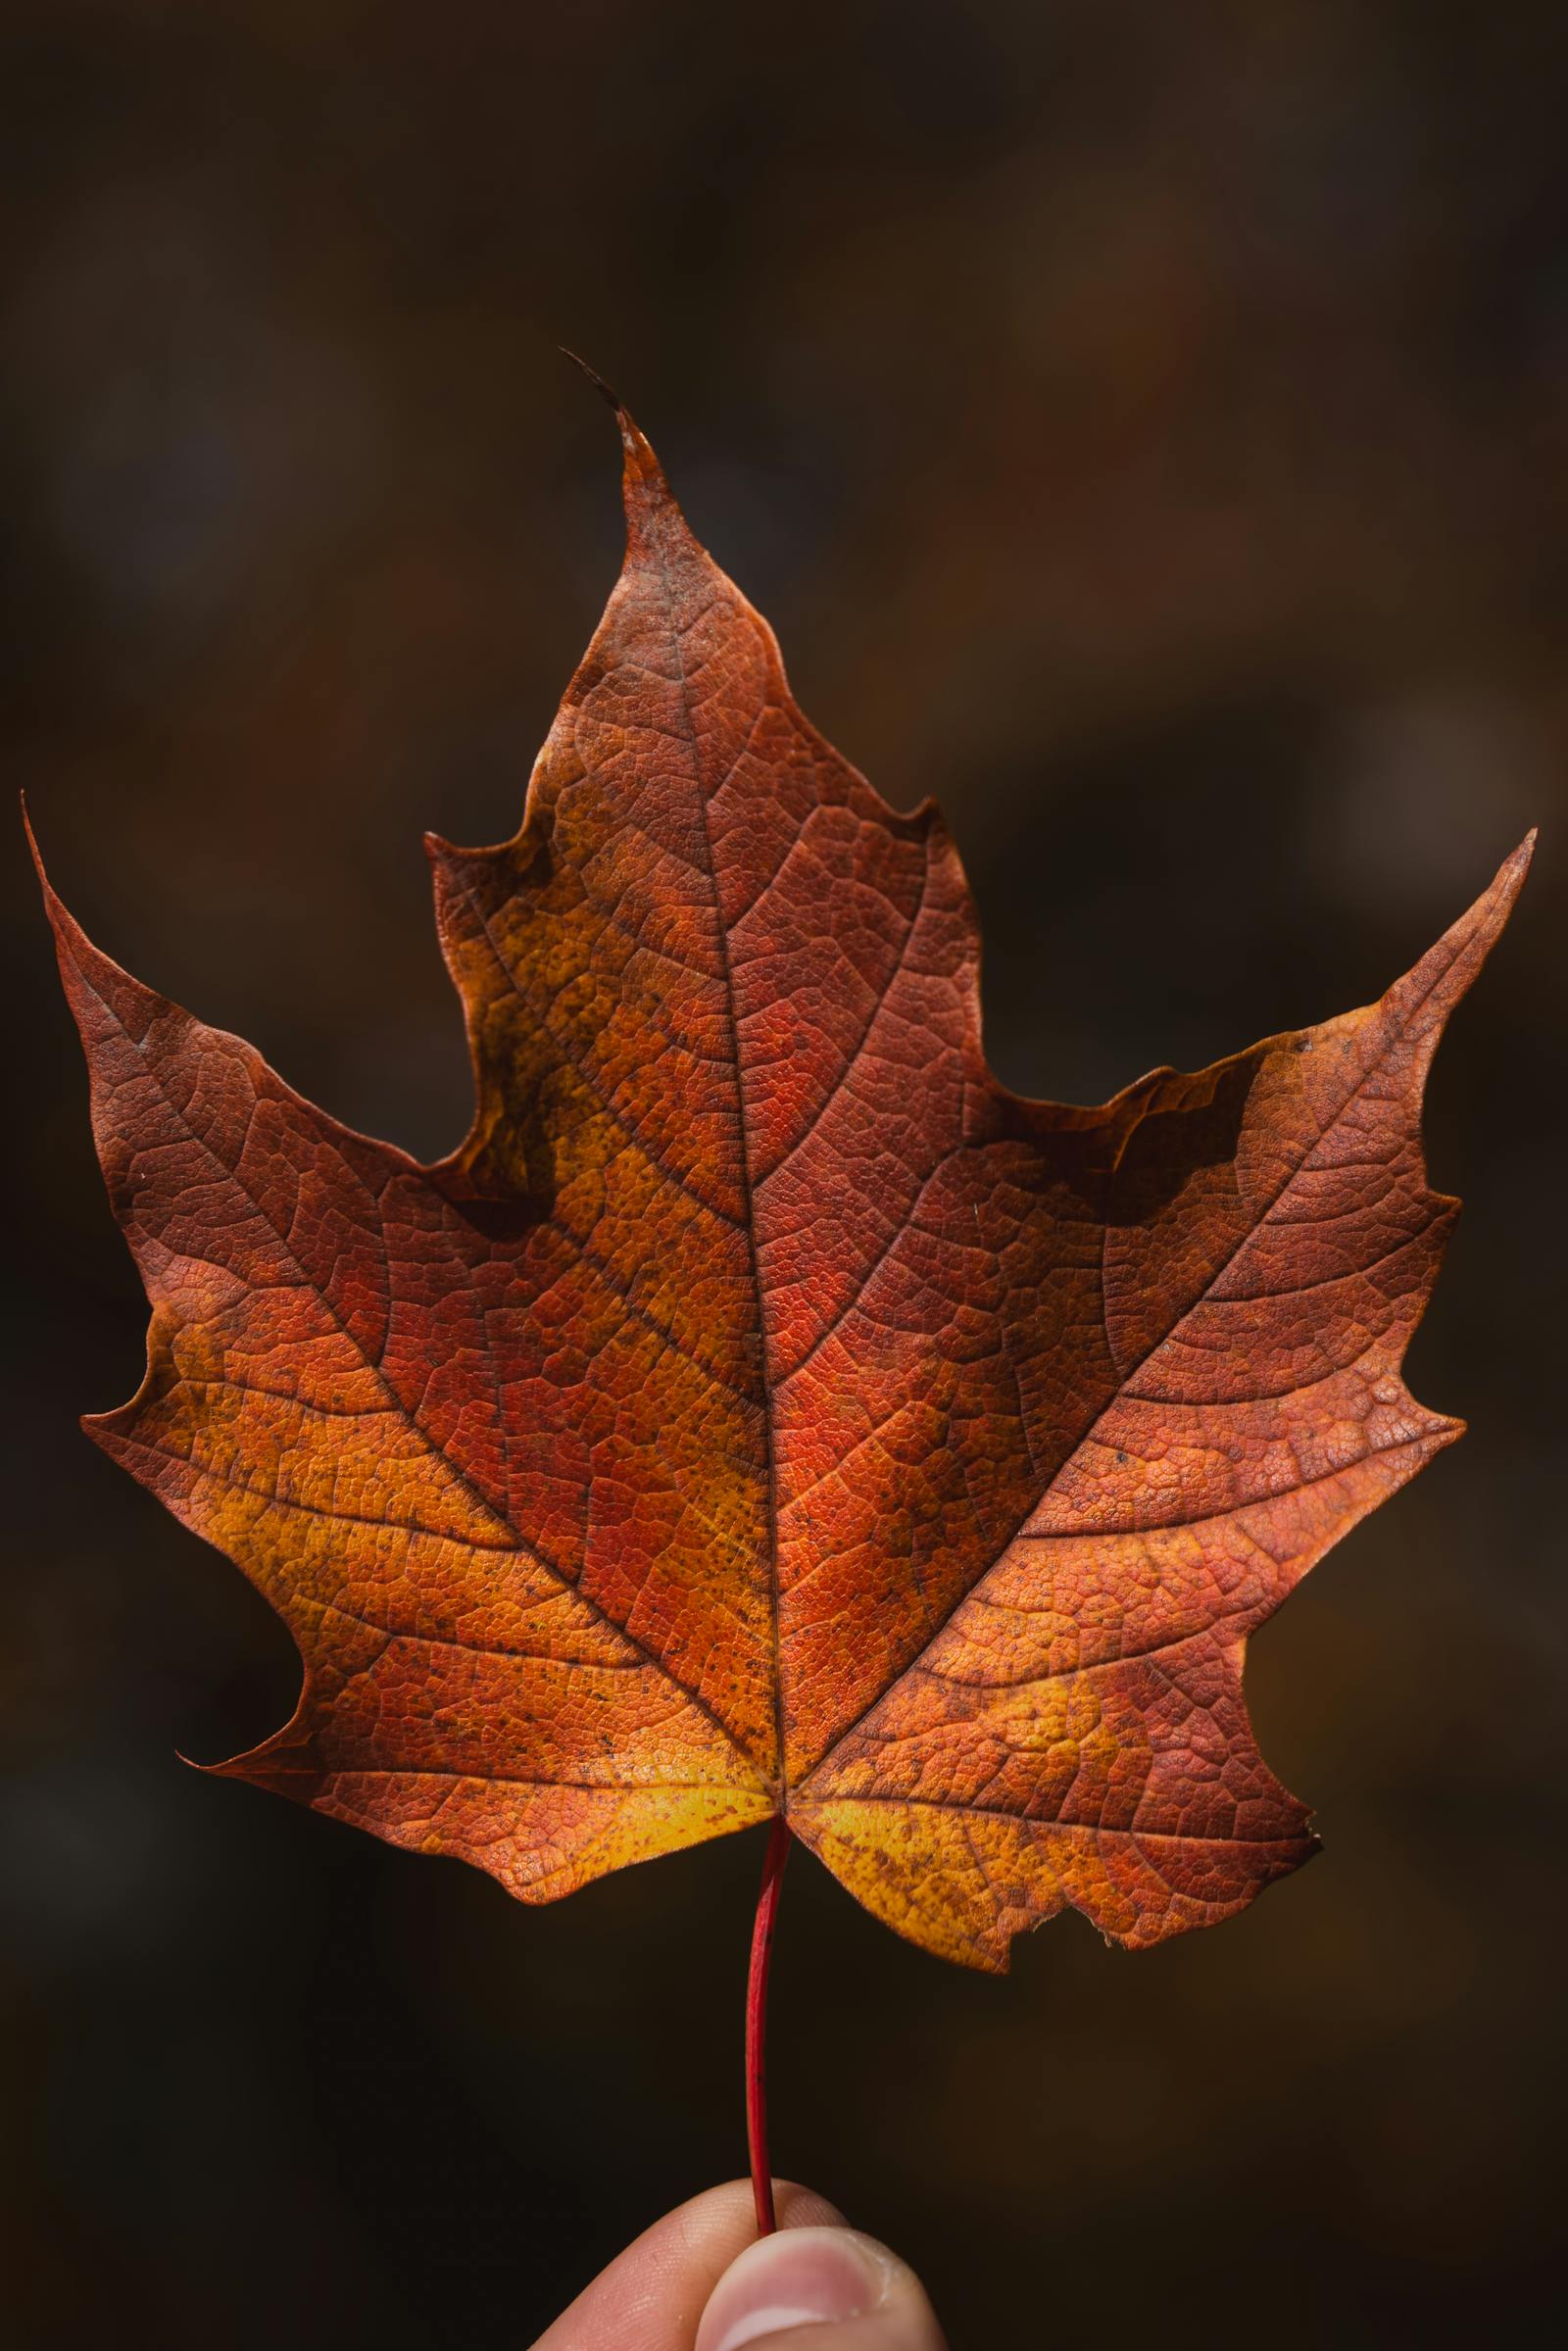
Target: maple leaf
{"x": 765, "y": 1414}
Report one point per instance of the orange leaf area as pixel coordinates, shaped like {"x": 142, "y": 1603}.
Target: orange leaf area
{"x": 764, "y": 1410}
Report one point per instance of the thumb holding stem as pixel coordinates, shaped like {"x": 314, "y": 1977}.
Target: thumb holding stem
{"x": 819, "y": 2289}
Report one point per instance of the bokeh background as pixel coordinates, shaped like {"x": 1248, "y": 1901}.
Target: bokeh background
{"x": 1148, "y": 427}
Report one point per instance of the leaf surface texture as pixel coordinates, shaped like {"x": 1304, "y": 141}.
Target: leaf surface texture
{"x": 764, "y": 1409}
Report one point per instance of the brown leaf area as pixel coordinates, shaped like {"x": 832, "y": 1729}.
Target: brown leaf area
{"x": 764, "y": 1410}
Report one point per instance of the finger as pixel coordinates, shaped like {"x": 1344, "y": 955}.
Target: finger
{"x": 652, "y": 2295}
{"x": 819, "y": 2289}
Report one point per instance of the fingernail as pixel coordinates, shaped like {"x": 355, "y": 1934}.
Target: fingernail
{"x": 800, "y": 2277}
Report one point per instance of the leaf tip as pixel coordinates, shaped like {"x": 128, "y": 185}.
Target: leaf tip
{"x": 1431, "y": 990}
{"x": 72, "y": 942}
{"x": 1492, "y": 910}
{"x": 1495, "y": 903}
{"x": 51, "y": 898}
{"x": 607, "y": 392}
{"x": 645, "y": 486}
{"x": 1514, "y": 867}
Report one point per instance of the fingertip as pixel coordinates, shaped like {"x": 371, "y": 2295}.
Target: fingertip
{"x": 800, "y": 2207}
{"x": 722, "y": 2221}
{"x": 649, "y": 2299}
{"x": 819, "y": 2288}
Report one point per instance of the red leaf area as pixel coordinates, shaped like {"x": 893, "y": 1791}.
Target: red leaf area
{"x": 764, "y": 1412}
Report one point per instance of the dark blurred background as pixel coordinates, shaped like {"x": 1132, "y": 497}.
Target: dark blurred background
{"x": 1147, "y": 427}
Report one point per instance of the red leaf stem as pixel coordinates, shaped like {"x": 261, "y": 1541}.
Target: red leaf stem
{"x": 778, "y": 1850}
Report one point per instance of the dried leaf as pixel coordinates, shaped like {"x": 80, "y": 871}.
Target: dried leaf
{"x": 764, "y": 1409}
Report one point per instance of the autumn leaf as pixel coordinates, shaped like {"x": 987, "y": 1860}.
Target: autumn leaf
{"x": 765, "y": 1414}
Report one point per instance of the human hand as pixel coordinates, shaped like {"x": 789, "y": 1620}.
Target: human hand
{"x": 700, "y": 2279}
